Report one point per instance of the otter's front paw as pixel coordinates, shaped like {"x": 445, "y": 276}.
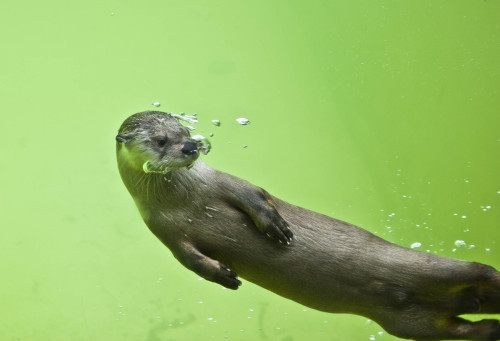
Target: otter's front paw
{"x": 271, "y": 223}
{"x": 227, "y": 278}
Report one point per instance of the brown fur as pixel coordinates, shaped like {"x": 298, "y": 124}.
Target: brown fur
{"x": 218, "y": 226}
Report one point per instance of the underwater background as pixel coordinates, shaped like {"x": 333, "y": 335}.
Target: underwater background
{"x": 383, "y": 113}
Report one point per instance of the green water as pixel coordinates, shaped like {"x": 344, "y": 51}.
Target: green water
{"x": 382, "y": 113}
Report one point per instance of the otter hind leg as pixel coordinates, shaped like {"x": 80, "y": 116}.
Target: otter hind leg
{"x": 490, "y": 294}
{"x": 476, "y": 299}
{"x": 490, "y": 303}
{"x": 461, "y": 329}
{"x": 481, "y": 295}
{"x": 427, "y": 325}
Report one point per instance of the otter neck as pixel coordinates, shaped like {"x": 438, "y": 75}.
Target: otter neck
{"x": 174, "y": 188}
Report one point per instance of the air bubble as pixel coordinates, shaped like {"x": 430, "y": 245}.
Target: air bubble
{"x": 243, "y": 121}
{"x": 186, "y": 118}
{"x": 460, "y": 243}
{"x": 156, "y": 104}
{"x": 203, "y": 143}
{"x": 415, "y": 245}
{"x": 216, "y": 123}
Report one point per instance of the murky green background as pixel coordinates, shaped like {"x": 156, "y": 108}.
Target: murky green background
{"x": 382, "y": 113}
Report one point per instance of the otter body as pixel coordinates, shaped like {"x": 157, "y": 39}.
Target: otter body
{"x": 220, "y": 226}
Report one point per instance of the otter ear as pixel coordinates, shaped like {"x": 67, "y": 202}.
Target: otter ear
{"x": 124, "y": 138}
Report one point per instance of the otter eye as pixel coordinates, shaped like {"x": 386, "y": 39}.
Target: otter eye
{"x": 161, "y": 142}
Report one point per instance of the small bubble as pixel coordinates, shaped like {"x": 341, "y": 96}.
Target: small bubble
{"x": 186, "y": 118}
{"x": 191, "y": 128}
{"x": 372, "y": 337}
{"x": 245, "y": 146}
{"x": 460, "y": 243}
{"x": 243, "y": 121}
{"x": 487, "y": 249}
{"x": 211, "y": 134}
{"x": 203, "y": 143}
{"x": 156, "y": 104}
{"x": 216, "y": 123}
{"x": 463, "y": 217}
{"x": 415, "y": 245}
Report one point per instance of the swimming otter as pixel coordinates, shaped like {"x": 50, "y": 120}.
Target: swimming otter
{"x": 219, "y": 226}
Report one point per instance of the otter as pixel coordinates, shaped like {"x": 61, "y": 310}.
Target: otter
{"x": 222, "y": 227}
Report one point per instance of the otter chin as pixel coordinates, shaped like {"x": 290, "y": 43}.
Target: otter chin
{"x": 222, "y": 227}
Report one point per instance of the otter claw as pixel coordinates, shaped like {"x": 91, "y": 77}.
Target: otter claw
{"x": 227, "y": 278}
{"x": 281, "y": 232}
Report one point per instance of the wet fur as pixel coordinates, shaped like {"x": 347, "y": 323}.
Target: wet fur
{"x": 218, "y": 225}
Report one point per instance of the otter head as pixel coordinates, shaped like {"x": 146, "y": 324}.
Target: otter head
{"x": 155, "y": 142}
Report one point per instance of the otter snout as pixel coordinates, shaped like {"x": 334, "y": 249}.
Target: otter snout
{"x": 189, "y": 148}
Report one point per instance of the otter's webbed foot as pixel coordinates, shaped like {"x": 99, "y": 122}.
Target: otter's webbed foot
{"x": 204, "y": 266}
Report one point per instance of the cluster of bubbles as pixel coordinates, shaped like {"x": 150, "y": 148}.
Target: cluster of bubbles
{"x": 203, "y": 143}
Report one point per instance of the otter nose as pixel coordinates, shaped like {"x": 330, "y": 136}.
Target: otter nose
{"x": 189, "y": 148}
